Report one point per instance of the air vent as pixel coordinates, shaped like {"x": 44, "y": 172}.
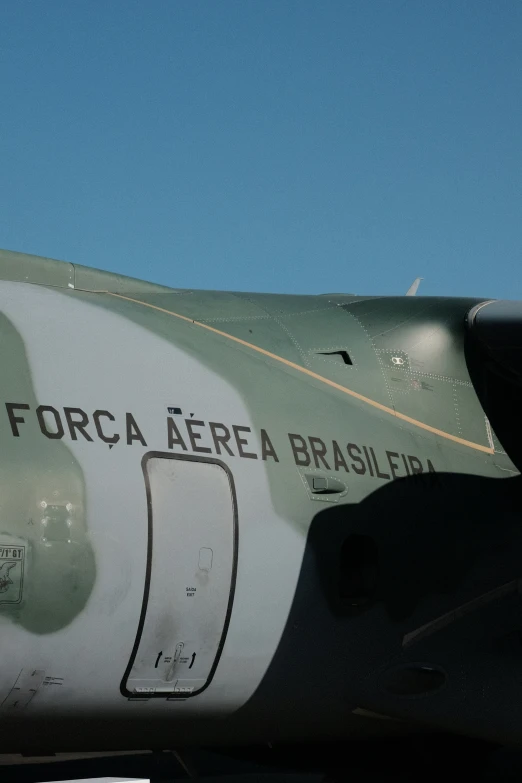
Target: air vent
{"x": 345, "y": 356}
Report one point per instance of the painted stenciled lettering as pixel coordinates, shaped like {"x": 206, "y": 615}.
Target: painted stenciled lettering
{"x": 56, "y": 423}
{"x": 236, "y": 441}
{"x": 363, "y": 460}
{"x": 216, "y": 438}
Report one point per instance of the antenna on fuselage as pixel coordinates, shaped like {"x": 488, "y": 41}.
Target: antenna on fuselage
{"x": 412, "y": 290}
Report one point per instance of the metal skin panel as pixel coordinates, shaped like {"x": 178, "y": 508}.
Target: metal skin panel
{"x": 94, "y": 380}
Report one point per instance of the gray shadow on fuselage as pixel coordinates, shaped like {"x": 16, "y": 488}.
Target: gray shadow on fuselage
{"x": 437, "y": 544}
{"x": 373, "y": 575}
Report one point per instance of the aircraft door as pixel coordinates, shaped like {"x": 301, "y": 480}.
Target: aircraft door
{"x": 190, "y": 576}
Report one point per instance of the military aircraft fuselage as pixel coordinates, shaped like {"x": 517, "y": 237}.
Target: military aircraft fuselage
{"x": 236, "y": 517}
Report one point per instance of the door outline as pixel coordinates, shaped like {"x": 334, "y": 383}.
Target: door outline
{"x": 150, "y": 532}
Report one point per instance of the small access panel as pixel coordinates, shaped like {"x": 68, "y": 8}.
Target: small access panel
{"x": 190, "y": 577}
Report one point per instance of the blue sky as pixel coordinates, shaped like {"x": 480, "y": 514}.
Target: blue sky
{"x": 271, "y": 145}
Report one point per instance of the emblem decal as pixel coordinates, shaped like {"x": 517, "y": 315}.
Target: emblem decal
{"x": 12, "y": 560}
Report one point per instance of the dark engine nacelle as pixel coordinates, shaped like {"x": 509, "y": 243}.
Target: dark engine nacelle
{"x": 495, "y": 364}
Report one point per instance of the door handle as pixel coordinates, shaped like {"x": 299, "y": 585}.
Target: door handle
{"x": 325, "y": 485}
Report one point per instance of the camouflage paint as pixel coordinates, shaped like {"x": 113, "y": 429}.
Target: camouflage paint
{"x": 430, "y": 383}
{"x": 42, "y": 508}
{"x": 300, "y": 329}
